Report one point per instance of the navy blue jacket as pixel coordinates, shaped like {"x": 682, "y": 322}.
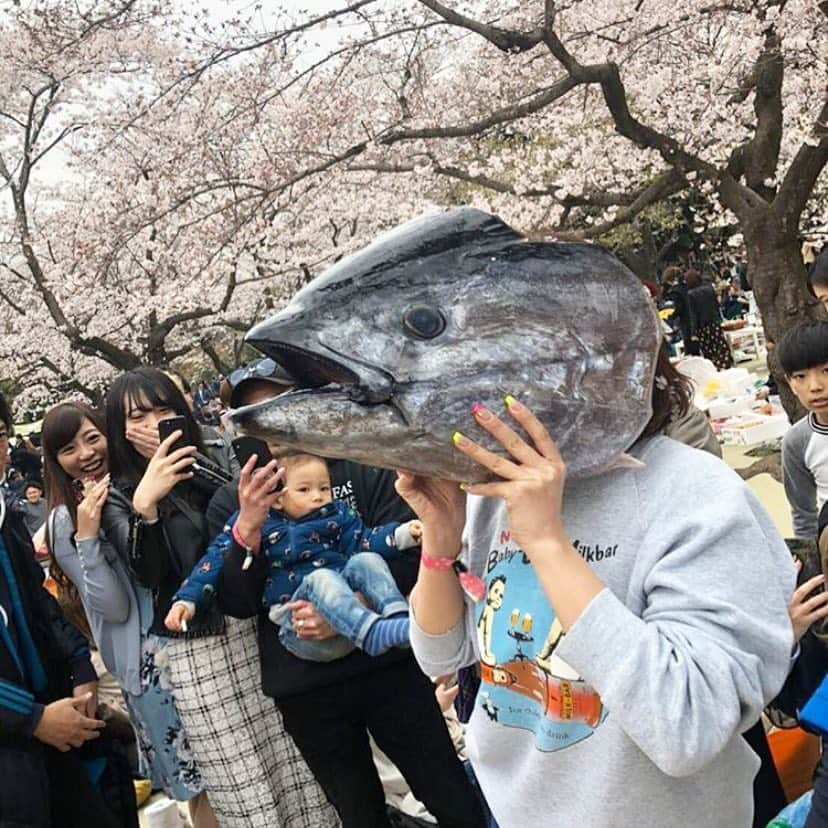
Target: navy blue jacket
{"x": 326, "y": 537}
{"x": 42, "y": 655}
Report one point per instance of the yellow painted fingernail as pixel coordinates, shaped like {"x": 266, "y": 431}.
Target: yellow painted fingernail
{"x": 508, "y": 399}
{"x": 464, "y": 486}
{"x": 457, "y": 438}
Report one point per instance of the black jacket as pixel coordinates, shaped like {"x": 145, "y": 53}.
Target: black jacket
{"x": 371, "y": 491}
{"x": 704, "y": 308}
{"x": 161, "y": 555}
{"x": 677, "y": 295}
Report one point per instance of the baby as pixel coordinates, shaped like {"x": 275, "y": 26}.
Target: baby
{"x": 318, "y": 550}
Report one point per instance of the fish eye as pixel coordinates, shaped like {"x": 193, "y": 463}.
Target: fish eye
{"x": 424, "y": 322}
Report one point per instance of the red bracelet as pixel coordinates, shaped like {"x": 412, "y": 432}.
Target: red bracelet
{"x": 239, "y": 539}
{"x": 439, "y": 564}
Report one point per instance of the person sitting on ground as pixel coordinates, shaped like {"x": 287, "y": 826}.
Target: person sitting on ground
{"x": 803, "y": 355}
{"x": 732, "y": 304}
{"x": 33, "y": 506}
{"x": 313, "y": 543}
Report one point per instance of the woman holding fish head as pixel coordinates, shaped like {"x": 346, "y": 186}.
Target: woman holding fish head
{"x": 625, "y": 651}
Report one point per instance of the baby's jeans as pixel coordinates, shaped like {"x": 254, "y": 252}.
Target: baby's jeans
{"x": 332, "y": 595}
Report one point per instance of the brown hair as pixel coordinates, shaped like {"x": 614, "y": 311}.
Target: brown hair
{"x": 291, "y": 459}
{"x": 692, "y": 278}
{"x": 59, "y": 427}
{"x": 671, "y": 276}
{"x": 671, "y": 394}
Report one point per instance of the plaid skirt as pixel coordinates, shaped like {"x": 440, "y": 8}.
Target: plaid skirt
{"x": 250, "y": 768}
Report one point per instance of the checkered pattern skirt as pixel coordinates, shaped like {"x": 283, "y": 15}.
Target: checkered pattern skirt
{"x": 251, "y": 769}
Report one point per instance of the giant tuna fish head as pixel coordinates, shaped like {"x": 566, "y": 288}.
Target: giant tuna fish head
{"x": 392, "y": 346}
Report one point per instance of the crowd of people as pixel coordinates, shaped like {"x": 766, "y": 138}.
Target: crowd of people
{"x": 698, "y": 304}
{"x": 288, "y": 635}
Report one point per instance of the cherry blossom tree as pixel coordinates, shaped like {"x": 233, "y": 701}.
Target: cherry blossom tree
{"x": 213, "y": 166}
{"x": 571, "y": 118}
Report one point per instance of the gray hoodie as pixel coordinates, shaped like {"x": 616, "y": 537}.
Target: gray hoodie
{"x": 634, "y": 716}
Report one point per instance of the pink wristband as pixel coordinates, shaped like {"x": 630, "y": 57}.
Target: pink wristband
{"x": 240, "y": 540}
{"x": 472, "y": 585}
{"x": 437, "y": 563}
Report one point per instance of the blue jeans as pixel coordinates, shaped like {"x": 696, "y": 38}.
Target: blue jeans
{"x": 332, "y": 594}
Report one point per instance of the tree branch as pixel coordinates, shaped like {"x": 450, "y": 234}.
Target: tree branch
{"x": 596, "y": 198}
{"x": 757, "y": 158}
{"x": 505, "y": 40}
{"x": 503, "y": 115}
{"x": 666, "y": 184}
{"x": 802, "y": 175}
{"x": 69, "y": 382}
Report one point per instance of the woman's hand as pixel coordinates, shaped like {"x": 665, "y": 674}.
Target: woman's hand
{"x": 805, "y": 607}
{"x": 90, "y": 509}
{"x": 163, "y": 472}
{"x": 144, "y": 438}
{"x": 308, "y": 623}
{"x": 257, "y": 496}
{"x": 441, "y": 507}
{"x": 532, "y": 481}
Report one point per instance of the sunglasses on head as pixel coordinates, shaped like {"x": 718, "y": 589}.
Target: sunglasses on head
{"x": 262, "y": 369}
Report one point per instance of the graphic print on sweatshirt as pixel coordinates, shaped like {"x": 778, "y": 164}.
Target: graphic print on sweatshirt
{"x": 524, "y": 683}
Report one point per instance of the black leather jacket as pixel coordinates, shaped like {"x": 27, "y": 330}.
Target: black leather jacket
{"x": 162, "y": 554}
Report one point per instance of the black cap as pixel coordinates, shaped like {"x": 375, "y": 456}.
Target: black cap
{"x": 260, "y": 370}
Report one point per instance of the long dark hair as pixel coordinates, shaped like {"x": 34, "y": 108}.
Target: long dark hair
{"x": 59, "y": 428}
{"x": 672, "y": 394}
{"x": 141, "y": 385}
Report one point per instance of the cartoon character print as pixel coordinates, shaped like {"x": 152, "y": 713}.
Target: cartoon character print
{"x": 525, "y": 684}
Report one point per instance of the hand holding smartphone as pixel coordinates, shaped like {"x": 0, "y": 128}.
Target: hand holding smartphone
{"x": 167, "y": 426}
{"x": 245, "y": 447}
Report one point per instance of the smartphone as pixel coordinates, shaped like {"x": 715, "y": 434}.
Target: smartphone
{"x": 245, "y": 447}
{"x": 171, "y": 424}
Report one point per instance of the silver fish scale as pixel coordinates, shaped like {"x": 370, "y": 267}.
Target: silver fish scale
{"x": 565, "y": 328}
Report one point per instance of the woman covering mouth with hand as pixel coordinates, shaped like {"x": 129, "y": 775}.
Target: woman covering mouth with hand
{"x": 87, "y": 567}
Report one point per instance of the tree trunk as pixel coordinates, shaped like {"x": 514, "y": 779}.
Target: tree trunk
{"x": 779, "y": 281}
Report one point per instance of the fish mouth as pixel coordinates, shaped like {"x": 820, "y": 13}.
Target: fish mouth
{"x": 313, "y": 370}
{"x": 309, "y": 368}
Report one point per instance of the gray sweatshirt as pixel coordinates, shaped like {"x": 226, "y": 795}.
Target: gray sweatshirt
{"x": 805, "y": 473}
{"x": 633, "y": 717}
{"x": 110, "y": 600}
